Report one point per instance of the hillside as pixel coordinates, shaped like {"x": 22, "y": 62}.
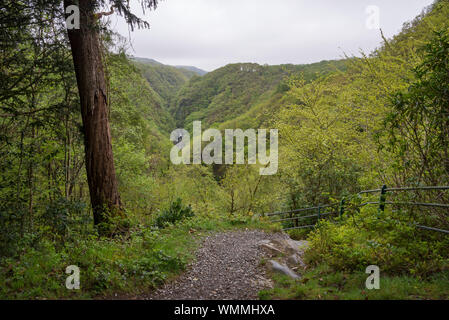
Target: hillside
{"x": 148, "y": 61}
{"x": 164, "y": 79}
{"x": 138, "y": 97}
{"x": 228, "y": 92}
{"x": 198, "y": 71}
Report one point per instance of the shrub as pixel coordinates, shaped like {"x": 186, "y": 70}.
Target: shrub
{"x": 65, "y": 219}
{"x": 389, "y": 241}
{"x": 176, "y": 212}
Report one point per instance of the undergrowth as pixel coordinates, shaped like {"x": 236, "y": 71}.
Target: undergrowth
{"x": 132, "y": 264}
{"x": 414, "y": 263}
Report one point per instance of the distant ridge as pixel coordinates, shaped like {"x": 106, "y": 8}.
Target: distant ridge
{"x": 146, "y": 61}
{"x": 196, "y": 70}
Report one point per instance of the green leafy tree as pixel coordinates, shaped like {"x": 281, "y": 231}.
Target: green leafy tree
{"x": 418, "y": 124}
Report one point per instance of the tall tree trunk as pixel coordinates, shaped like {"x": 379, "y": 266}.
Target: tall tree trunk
{"x": 87, "y": 58}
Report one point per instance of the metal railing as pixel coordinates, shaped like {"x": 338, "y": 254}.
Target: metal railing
{"x": 340, "y": 207}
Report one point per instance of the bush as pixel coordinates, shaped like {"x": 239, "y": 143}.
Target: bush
{"x": 11, "y": 224}
{"x": 389, "y": 241}
{"x": 107, "y": 266}
{"x": 176, "y": 212}
{"x": 65, "y": 220}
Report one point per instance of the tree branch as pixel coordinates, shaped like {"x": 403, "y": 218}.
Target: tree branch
{"x": 97, "y": 16}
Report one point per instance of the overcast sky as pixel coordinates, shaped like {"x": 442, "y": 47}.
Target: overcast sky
{"x": 212, "y": 33}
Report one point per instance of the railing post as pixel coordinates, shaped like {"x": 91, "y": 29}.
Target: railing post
{"x": 319, "y": 214}
{"x": 342, "y": 207}
{"x": 383, "y": 198}
{"x": 295, "y": 222}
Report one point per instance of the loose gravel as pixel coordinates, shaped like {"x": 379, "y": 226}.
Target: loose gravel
{"x": 227, "y": 267}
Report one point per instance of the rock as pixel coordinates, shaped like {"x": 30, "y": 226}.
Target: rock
{"x": 296, "y": 261}
{"x": 299, "y": 245}
{"x": 282, "y": 269}
{"x": 263, "y": 282}
{"x": 270, "y": 248}
{"x": 291, "y": 246}
{"x": 293, "y": 259}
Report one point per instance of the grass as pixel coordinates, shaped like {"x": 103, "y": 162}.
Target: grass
{"x": 133, "y": 266}
{"x": 322, "y": 283}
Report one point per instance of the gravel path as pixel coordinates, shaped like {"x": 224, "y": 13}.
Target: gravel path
{"x": 227, "y": 267}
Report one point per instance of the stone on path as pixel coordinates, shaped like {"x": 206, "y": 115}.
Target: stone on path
{"x": 282, "y": 269}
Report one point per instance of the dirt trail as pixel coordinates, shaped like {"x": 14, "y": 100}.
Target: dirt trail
{"x": 227, "y": 267}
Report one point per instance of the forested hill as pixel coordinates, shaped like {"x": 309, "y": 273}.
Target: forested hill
{"x": 142, "y": 99}
{"x": 227, "y": 93}
{"x": 164, "y": 79}
{"x": 185, "y": 69}
{"x": 198, "y": 71}
{"x": 230, "y": 91}
{"x": 247, "y": 95}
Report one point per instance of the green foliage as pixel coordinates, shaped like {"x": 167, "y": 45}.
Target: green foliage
{"x": 366, "y": 238}
{"x": 107, "y": 267}
{"x": 418, "y": 124}
{"x": 233, "y": 90}
{"x": 247, "y": 192}
{"x": 176, "y": 212}
{"x": 165, "y": 80}
{"x": 324, "y": 283}
{"x": 332, "y": 138}
{"x": 122, "y": 267}
{"x": 322, "y": 149}
{"x": 135, "y": 103}
{"x": 64, "y": 219}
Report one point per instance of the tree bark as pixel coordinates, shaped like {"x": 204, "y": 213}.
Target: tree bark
{"x": 87, "y": 59}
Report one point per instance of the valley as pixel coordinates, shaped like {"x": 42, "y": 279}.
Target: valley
{"x": 343, "y": 126}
